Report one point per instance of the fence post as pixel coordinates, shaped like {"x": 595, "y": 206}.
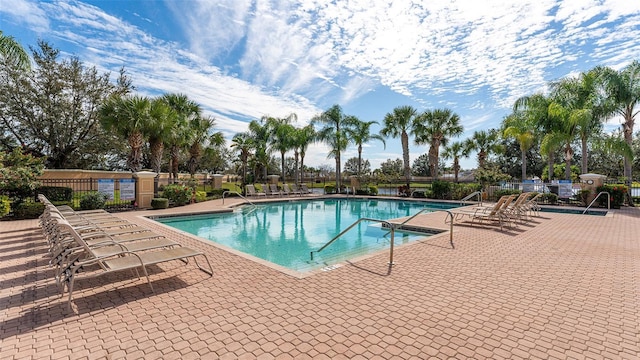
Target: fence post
{"x": 144, "y": 188}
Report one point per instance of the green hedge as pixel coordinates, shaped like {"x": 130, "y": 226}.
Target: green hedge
{"x": 5, "y": 206}
{"x": 617, "y": 193}
{"x": 28, "y": 210}
{"x": 93, "y": 201}
{"x": 159, "y": 203}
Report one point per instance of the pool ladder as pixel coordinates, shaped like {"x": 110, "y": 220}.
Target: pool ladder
{"x": 596, "y": 198}
{"x": 237, "y": 193}
{"x": 475, "y": 193}
{"x": 392, "y": 231}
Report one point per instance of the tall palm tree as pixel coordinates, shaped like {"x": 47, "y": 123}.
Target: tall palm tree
{"x": 281, "y": 135}
{"x": 13, "y": 52}
{"x": 360, "y": 134}
{"x": 484, "y": 142}
{"x": 436, "y": 128}
{"x": 579, "y": 96}
{"x": 158, "y": 128}
{"x": 519, "y": 127}
{"x": 455, "y": 151}
{"x": 260, "y": 133}
{"x": 185, "y": 111}
{"x": 333, "y": 131}
{"x": 202, "y": 136}
{"x": 304, "y": 137}
{"x": 128, "y": 117}
{"x": 536, "y": 109}
{"x": 243, "y": 142}
{"x": 623, "y": 91}
{"x": 400, "y": 123}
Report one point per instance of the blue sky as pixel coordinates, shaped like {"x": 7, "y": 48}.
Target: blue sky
{"x": 244, "y": 59}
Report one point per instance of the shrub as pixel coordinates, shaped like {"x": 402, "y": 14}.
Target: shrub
{"x": 5, "y": 206}
{"x": 329, "y": 189}
{"x": 500, "y": 193}
{"x": 28, "y": 210}
{"x": 373, "y": 190}
{"x": 441, "y": 189}
{"x": 419, "y": 194}
{"x": 362, "y": 191}
{"x": 57, "y": 193}
{"x": 617, "y": 192}
{"x": 93, "y": 201}
{"x": 159, "y": 203}
{"x": 201, "y": 196}
{"x": 215, "y": 192}
{"x": 460, "y": 191}
{"x": 178, "y": 194}
{"x": 549, "y": 198}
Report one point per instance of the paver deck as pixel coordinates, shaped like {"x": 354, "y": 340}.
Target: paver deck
{"x": 563, "y": 287}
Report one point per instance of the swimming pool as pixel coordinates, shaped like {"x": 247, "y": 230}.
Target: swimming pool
{"x": 284, "y": 233}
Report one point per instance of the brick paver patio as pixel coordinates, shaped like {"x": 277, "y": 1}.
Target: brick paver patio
{"x": 563, "y": 287}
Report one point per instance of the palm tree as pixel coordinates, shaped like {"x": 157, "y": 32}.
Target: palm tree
{"x": 281, "y": 132}
{"x": 243, "y": 142}
{"x": 536, "y": 109}
{"x": 201, "y": 136}
{"x": 579, "y": 96}
{"x": 484, "y": 142}
{"x": 158, "y": 128}
{"x": 333, "y": 131}
{"x": 128, "y": 117}
{"x": 519, "y": 127}
{"x": 260, "y": 133}
{"x": 623, "y": 91}
{"x": 303, "y": 138}
{"x": 400, "y": 123}
{"x": 435, "y": 128}
{"x": 455, "y": 151}
{"x": 185, "y": 111}
{"x": 361, "y": 134}
{"x": 13, "y": 52}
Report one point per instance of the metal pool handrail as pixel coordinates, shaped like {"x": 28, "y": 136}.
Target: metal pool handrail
{"x": 237, "y": 193}
{"x": 475, "y": 193}
{"x": 392, "y": 230}
{"x": 596, "y": 198}
{"x": 351, "y": 227}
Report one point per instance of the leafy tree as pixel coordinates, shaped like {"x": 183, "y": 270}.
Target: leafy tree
{"x": 13, "y": 54}
{"x": 392, "y": 168}
{"x": 52, "y": 110}
{"x": 509, "y": 160}
{"x": 360, "y": 134}
{"x": 333, "y": 131}
{"x": 157, "y": 129}
{"x": 420, "y": 166}
{"x": 19, "y": 174}
{"x": 215, "y": 159}
{"x": 400, "y": 123}
{"x": 357, "y": 166}
{"x": 436, "y": 128}
{"x": 455, "y": 151}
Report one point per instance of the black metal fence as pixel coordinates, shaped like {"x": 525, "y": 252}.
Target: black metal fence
{"x": 120, "y": 193}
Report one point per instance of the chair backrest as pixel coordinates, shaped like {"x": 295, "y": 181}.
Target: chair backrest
{"x": 266, "y": 189}
{"x": 274, "y": 188}
{"x": 521, "y": 199}
{"x": 506, "y": 203}
{"x": 250, "y": 189}
{"x": 285, "y": 188}
{"x": 496, "y": 208}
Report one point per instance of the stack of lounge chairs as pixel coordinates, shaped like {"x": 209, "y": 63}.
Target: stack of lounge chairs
{"x": 272, "y": 190}
{"x": 509, "y": 210}
{"x": 93, "y": 243}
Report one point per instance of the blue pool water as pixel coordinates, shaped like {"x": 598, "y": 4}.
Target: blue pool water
{"x": 285, "y": 233}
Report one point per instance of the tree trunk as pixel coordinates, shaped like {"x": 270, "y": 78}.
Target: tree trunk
{"x": 433, "y": 160}
{"x": 338, "y": 183}
{"x": 628, "y": 138}
{"x": 456, "y": 169}
{"x": 282, "y": 164}
{"x": 359, "y": 160}
{"x": 584, "y": 155}
{"x": 523, "y": 158}
{"x": 568, "y": 156}
{"x": 405, "y": 157}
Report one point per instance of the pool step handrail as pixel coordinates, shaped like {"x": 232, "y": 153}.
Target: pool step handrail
{"x": 392, "y": 230}
{"x": 596, "y": 198}
{"x": 237, "y": 193}
{"x": 351, "y": 227}
{"x": 475, "y": 193}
